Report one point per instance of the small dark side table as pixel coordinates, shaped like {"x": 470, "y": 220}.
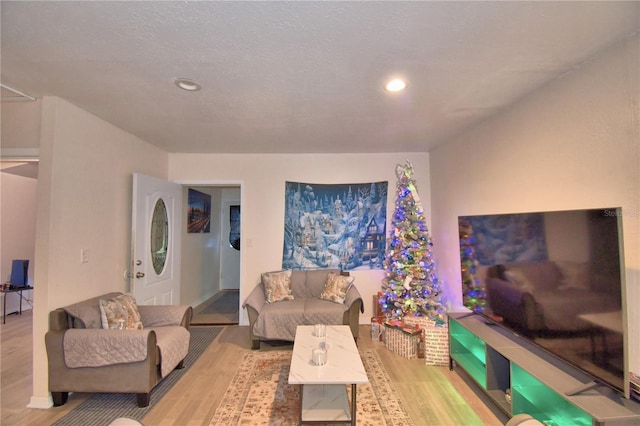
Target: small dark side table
{"x": 7, "y": 290}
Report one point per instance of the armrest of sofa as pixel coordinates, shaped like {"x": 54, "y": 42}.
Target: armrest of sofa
{"x": 253, "y": 303}
{"x": 256, "y": 298}
{"x": 58, "y": 320}
{"x": 353, "y": 295}
{"x": 352, "y": 316}
{"x": 164, "y": 315}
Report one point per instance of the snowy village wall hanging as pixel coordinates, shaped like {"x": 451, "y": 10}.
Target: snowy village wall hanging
{"x": 334, "y": 225}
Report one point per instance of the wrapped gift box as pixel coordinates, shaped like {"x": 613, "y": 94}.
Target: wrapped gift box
{"x": 401, "y": 338}
{"x": 434, "y": 338}
{"x": 377, "y": 329}
{"x": 377, "y": 307}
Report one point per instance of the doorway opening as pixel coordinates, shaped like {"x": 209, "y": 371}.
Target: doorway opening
{"x": 211, "y": 258}
{"x": 221, "y": 309}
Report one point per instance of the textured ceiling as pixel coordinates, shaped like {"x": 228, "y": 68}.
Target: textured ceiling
{"x": 299, "y": 77}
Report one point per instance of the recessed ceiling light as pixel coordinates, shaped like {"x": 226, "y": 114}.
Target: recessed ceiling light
{"x": 395, "y": 85}
{"x": 187, "y": 84}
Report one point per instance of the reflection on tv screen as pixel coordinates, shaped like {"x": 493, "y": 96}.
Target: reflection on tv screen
{"x": 554, "y": 278}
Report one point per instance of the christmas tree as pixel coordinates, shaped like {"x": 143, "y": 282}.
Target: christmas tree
{"x": 411, "y": 286}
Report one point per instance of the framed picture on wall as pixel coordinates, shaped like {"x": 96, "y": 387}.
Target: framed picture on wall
{"x": 198, "y": 212}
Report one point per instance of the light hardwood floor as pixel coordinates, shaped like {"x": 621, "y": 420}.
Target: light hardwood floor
{"x": 206, "y": 314}
{"x": 431, "y": 395}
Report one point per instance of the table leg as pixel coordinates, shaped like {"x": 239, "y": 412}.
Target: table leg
{"x": 4, "y": 308}
{"x": 353, "y": 404}
{"x": 301, "y": 396}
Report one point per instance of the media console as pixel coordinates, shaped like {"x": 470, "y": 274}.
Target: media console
{"x": 522, "y": 378}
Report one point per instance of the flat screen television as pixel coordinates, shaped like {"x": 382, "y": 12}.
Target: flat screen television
{"x": 555, "y": 279}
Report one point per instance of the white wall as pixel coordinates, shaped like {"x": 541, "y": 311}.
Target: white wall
{"x": 573, "y": 144}
{"x": 263, "y": 177}
{"x": 203, "y": 260}
{"x": 84, "y": 201}
{"x": 201, "y": 253}
{"x": 229, "y": 256}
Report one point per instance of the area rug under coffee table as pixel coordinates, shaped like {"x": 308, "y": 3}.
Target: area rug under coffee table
{"x": 259, "y": 394}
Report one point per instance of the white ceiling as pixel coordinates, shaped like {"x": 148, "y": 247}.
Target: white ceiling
{"x": 300, "y": 77}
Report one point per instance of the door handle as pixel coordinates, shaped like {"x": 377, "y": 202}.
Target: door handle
{"x": 139, "y": 274}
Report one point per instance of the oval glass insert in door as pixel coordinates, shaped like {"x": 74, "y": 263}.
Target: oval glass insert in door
{"x": 159, "y": 236}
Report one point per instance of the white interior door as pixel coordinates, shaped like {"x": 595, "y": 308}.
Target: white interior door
{"x": 156, "y": 241}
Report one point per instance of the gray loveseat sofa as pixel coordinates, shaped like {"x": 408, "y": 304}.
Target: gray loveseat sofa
{"x": 84, "y": 357}
{"x": 278, "y": 320}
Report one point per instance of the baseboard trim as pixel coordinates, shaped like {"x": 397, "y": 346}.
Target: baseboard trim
{"x": 198, "y": 303}
{"x": 40, "y": 402}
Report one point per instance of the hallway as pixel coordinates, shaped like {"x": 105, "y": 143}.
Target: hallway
{"x": 221, "y": 309}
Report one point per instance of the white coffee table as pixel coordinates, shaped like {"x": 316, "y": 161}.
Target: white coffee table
{"x": 323, "y": 396}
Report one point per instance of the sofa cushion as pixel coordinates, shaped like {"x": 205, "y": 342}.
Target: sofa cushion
{"x": 120, "y": 312}
{"x": 279, "y": 320}
{"x": 319, "y": 311}
{"x": 97, "y": 348}
{"x": 277, "y": 286}
{"x": 315, "y": 281}
{"x": 336, "y": 287}
{"x": 298, "y": 284}
{"x": 162, "y": 315}
{"x": 86, "y": 314}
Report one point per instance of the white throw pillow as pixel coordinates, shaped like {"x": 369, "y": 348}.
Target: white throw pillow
{"x": 277, "y": 286}
{"x": 120, "y": 313}
{"x": 336, "y": 287}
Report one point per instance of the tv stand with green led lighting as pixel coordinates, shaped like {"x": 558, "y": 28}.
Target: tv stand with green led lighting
{"x": 519, "y": 378}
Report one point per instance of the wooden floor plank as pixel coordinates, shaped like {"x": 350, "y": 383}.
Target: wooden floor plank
{"x": 431, "y": 395}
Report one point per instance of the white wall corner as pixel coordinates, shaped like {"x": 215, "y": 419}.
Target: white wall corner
{"x": 41, "y": 402}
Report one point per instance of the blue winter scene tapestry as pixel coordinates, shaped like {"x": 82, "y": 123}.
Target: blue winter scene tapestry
{"x": 334, "y": 226}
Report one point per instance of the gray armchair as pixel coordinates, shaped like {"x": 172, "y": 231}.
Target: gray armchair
{"x": 86, "y": 358}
